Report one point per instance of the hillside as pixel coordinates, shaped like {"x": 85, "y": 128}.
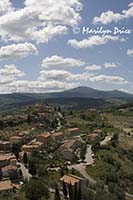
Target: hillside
{"x": 77, "y": 98}
{"x": 86, "y": 92}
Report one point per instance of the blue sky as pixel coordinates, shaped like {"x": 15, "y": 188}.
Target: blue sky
{"x": 41, "y": 50}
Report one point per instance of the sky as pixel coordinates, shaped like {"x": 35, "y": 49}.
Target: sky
{"x": 50, "y": 45}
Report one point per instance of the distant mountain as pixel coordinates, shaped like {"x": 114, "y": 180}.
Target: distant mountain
{"x": 86, "y": 92}
{"x": 77, "y": 98}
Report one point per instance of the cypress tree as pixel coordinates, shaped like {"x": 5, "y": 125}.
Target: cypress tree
{"x": 64, "y": 190}
{"x": 62, "y": 171}
{"x": 57, "y": 194}
{"x": 76, "y": 195}
{"x": 25, "y": 158}
{"x": 79, "y": 192}
{"x": 32, "y": 168}
{"x": 70, "y": 188}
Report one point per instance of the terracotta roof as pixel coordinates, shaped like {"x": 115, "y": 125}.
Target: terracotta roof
{"x": 6, "y": 185}
{"x": 4, "y": 142}
{"x": 16, "y": 137}
{"x": 17, "y": 186}
{"x": 30, "y": 146}
{"x": 37, "y": 143}
{"x": 68, "y": 143}
{"x": 71, "y": 179}
{"x": 6, "y": 157}
{"x": 23, "y": 133}
{"x": 58, "y": 134}
{"x": 8, "y": 167}
{"x": 73, "y": 129}
{"x": 45, "y": 135}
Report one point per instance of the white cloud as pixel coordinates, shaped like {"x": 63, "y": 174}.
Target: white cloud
{"x": 110, "y": 16}
{"x": 55, "y": 75}
{"x": 39, "y": 20}
{"x": 95, "y": 40}
{"x": 93, "y": 67}
{"x": 61, "y": 62}
{"x": 62, "y": 75}
{"x": 11, "y": 70}
{"x": 26, "y": 86}
{"x": 5, "y": 6}
{"x": 130, "y": 52}
{"x": 110, "y": 65}
{"x": 9, "y": 73}
{"x": 45, "y": 34}
{"x": 17, "y": 51}
{"x": 123, "y": 90}
{"x": 109, "y": 79}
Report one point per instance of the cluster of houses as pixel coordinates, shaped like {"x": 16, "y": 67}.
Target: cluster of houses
{"x": 8, "y": 173}
{"x": 95, "y": 135}
{"x": 69, "y": 143}
{"x": 9, "y": 170}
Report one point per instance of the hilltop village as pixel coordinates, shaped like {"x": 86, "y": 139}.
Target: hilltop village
{"x": 49, "y": 153}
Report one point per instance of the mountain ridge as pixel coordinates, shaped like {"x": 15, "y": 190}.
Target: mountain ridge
{"x": 81, "y": 91}
{"x": 77, "y": 98}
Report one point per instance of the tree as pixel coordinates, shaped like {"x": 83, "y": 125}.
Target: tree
{"x": 29, "y": 119}
{"x": 32, "y": 168}
{"x": 42, "y": 171}
{"x": 115, "y": 139}
{"x": 88, "y": 194}
{"x": 73, "y": 171}
{"x": 35, "y": 190}
{"x": 64, "y": 189}
{"x": 61, "y": 172}
{"x": 79, "y": 192}
{"x": 1, "y": 174}
{"x": 16, "y": 150}
{"x": 96, "y": 146}
{"x": 57, "y": 194}
{"x": 76, "y": 195}
{"x": 25, "y": 158}
{"x": 59, "y": 109}
{"x": 83, "y": 152}
{"x": 54, "y": 123}
{"x": 70, "y": 189}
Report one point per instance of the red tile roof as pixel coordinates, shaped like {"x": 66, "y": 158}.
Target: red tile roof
{"x": 8, "y": 167}
{"x": 73, "y": 129}
{"x": 6, "y": 185}
{"x": 71, "y": 179}
{"x": 58, "y": 134}
{"x": 6, "y": 157}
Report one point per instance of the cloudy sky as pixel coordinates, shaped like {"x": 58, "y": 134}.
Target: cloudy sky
{"x": 50, "y": 45}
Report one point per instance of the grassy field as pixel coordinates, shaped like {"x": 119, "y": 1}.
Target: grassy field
{"x": 119, "y": 121}
{"x": 126, "y": 141}
{"x": 97, "y": 170}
